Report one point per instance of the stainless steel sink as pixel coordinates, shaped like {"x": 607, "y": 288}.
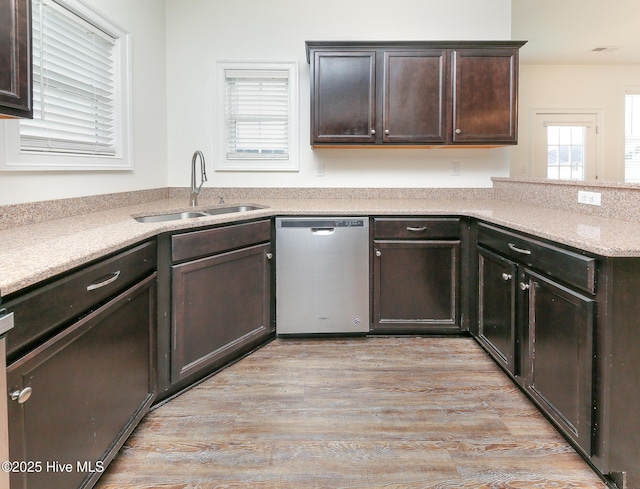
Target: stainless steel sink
{"x": 170, "y": 217}
{"x": 213, "y": 211}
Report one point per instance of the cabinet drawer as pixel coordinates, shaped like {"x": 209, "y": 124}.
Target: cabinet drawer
{"x": 418, "y": 228}
{"x": 564, "y": 265}
{"x": 209, "y": 241}
{"x": 42, "y": 312}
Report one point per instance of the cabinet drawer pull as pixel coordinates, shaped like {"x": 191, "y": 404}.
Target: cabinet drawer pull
{"x": 416, "y": 229}
{"x": 21, "y": 396}
{"x": 112, "y": 278}
{"x": 373, "y": 132}
{"x": 506, "y": 276}
{"x": 458, "y": 131}
{"x": 378, "y": 253}
{"x": 269, "y": 256}
{"x": 518, "y": 250}
{"x": 524, "y": 286}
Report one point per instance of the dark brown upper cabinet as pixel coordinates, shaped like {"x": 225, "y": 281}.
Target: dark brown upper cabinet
{"x": 424, "y": 94}
{"x": 484, "y": 99}
{"x": 343, "y": 102}
{"x": 15, "y": 59}
{"x": 414, "y": 97}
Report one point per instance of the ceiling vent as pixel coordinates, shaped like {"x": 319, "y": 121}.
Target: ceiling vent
{"x": 603, "y": 49}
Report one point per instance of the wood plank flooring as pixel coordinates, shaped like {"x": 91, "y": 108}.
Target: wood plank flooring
{"x": 351, "y": 413}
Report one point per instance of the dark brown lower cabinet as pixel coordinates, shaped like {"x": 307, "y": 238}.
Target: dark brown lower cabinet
{"x": 498, "y": 278}
{"x": 537, "y": 319}
{"x": 415, "y": 286}
{"x": 220, "y": 303}
{"x": 214, "y": 300}
{"x": 618, "y": 386}
{"x": 89, "y": 386}
{"x": 559, "y": 356}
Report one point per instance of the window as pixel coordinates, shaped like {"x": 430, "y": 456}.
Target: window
{"x": 80, "y": 93}
{"x": 564, "y": 146}
{"x": 257, "y": 116}
{"x": 632, "y": 138}
{"x": 565, "y": 152}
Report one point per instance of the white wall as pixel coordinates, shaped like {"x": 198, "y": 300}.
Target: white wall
{"x": 172, "y": 96}
{"x": 145, "y": 20}
{"x": 199, "y": 32}
{"x": 582, "y": 87}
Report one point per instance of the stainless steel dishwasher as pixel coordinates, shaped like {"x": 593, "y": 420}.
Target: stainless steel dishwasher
{"x": 322, "y": 275}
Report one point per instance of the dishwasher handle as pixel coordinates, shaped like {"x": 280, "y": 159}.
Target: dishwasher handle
{"x": 322, "y": 231}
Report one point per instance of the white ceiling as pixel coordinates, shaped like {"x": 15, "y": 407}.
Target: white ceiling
{"x": 566, "y": 31}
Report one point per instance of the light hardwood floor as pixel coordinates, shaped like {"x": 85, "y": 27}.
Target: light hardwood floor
{"x": 352, "y": 413}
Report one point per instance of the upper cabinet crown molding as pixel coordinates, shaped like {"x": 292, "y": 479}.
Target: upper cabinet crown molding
{"x": 15, "y": 59}
{"x": 415, "y": 93}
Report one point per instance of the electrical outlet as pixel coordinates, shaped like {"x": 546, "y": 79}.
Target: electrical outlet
{"x": 591, "y": 198}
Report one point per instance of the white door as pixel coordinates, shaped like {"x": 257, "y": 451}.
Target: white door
{"x": 564, "y": 146}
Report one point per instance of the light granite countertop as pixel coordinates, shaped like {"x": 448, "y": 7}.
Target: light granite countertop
{"x": 35, "y": 252}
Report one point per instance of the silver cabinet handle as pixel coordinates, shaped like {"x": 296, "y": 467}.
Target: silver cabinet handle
{"x": 416, "y": 229}
{"x": 458, "y": 131}
{"x": 6, "y": 321}
{"x": 524, "y": 286}
{"x": 269, "y": 256}
{"x": 112, "y": 278}
{"x": 506, "y": 276}
{"x": 373, "y": 132}
{"x": 386, "y": 131}
{"x": 21, "y": 396}
{"x": 518, "y": 250}
{"x": 378, "y": 253}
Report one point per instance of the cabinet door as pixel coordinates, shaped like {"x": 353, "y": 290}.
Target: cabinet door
{"x": 559, "y": 372}
{"x": 497, "y": 302}
{"x": 15, "y": 58}
{"x": 485, "y": 96}
{"x": 90, "y": 385}
{"x": 220, "y": 303}
{"x": 343, "y": 94}
{"x": 414, "y": 96}
{"x": 416, "y": 286}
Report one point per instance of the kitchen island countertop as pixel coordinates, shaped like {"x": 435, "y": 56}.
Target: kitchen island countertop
{"x": 36, "y": 252}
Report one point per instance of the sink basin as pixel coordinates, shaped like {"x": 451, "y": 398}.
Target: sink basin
{"x": 170, "y": 217}
{"x": 213, "y": 211}
{"x": 228, "y": 210}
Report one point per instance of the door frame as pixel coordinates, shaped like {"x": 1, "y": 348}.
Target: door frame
{"x": 538, "y": 146}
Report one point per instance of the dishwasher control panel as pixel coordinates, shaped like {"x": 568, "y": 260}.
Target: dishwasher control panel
{"x": 323, "y": 223}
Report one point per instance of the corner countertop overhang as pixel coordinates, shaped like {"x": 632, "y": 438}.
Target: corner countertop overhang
{"x": 36, "y": 252}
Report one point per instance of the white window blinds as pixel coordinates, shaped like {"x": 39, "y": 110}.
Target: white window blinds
{"x": 632, "y": 138}
{"x": 74, "y": 86}
{"x": 257, "y": 114}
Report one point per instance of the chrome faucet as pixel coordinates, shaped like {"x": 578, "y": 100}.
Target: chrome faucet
{"x": 193, "y": 199}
